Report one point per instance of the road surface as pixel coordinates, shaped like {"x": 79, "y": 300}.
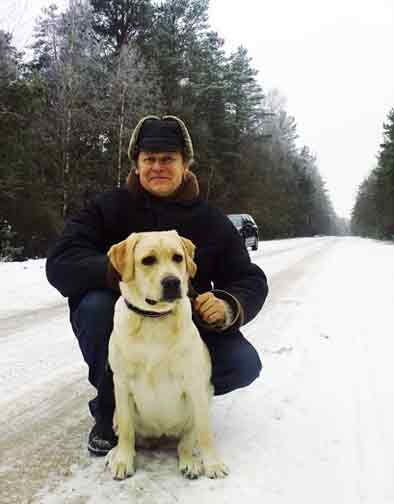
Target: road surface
{"x": 316, "y": 427}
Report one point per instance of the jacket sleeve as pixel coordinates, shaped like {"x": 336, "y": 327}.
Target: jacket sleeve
{"x": 78, "y": 260}
{"x": 236, "y": 279}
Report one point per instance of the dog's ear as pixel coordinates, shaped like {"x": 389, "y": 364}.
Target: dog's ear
{"x": 189, "y": 248}
{"x": 121, "y": 256}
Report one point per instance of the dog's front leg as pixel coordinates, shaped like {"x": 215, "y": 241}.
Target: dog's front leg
{"x": 121, "y": 458}
{"x": 189, "y": 465}
{"x": 213, "y": 466}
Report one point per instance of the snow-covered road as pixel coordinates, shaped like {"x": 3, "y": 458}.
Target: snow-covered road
{"x": 316, "y": 427}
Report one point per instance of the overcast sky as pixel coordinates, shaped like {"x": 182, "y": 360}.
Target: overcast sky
{"x": 332, "y": 60}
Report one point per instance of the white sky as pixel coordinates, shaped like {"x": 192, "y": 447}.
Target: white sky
{"x": 331, "y": 60}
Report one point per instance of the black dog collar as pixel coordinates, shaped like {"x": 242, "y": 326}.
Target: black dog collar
{"x": 146, "y": 313}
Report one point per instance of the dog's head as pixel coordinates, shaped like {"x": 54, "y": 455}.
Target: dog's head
{"x": 154, "y": 267}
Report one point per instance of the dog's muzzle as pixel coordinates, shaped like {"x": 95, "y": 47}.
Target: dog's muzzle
{"x": 171, "y": 288}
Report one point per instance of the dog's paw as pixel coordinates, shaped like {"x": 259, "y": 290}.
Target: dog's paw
{"x": 191, "y": 467}
{"x": 121, "y": 463}
{"x": 216, "y": 470}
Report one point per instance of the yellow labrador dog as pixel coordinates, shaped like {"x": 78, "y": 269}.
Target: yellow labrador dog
{"x": 161, "y": 366}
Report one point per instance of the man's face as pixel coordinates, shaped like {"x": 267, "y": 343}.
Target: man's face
{"x": 161, "y": 173}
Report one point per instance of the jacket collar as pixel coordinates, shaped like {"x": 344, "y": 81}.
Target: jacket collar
{"x": 187, "y": 192}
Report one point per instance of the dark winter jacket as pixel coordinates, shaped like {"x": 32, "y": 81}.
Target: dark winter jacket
{"x": 78, "y": 261}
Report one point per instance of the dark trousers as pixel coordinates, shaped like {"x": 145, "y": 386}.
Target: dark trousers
{"x": 235, "y": 362}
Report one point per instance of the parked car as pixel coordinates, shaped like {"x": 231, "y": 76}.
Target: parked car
{"x": 247, "y": 228}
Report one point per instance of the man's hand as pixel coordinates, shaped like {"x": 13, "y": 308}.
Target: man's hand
{"x": 210, "y": 308}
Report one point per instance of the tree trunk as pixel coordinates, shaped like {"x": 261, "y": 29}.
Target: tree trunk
{"x": 66, "y": 170}
{"x": 69, "y": 102}
{"x": 121, "y": 129}
{"x": 210, "y": 179}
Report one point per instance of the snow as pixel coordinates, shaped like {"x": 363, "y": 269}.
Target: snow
{"x": 316, "y": 427}
{"x": 24, "y": 288}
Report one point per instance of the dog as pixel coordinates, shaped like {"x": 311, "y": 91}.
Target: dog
{"x": 161, "y": 366}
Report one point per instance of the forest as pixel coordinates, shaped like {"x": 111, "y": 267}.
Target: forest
{"x": 69, "y": 102}
{"x": 373, "y": 211}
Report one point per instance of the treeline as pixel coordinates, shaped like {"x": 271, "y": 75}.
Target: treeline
{"x": 373, "y": 212}
{"x": 68, "y": 106}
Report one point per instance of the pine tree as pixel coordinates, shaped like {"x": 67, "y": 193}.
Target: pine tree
{"x": 9, "y": 251}
{"x": 385, "y": 182}
{"x": 120, "y": 23}
{"x": 373, "y": 212}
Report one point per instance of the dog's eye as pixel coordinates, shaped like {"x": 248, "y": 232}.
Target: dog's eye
{"x": 149, "y": 260}
{"x": 177, "y": 258}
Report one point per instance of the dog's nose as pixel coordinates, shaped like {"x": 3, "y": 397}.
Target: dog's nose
{"x": 171, "y": 288}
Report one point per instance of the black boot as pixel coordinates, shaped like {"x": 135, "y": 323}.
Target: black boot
{"x": 101, "y": 439}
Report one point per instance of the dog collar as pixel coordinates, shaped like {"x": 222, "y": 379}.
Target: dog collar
{"x": 146, "y": 313}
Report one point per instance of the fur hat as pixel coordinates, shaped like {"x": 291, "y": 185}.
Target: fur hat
{"x": 153, "y": 134}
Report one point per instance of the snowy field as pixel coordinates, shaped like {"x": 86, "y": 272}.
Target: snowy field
{"x": 317, "y": 427}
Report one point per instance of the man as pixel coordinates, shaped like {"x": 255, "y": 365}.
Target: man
{"x": 161, "y": 194}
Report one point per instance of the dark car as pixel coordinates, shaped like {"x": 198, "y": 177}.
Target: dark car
{"x": 247, "y": 228}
